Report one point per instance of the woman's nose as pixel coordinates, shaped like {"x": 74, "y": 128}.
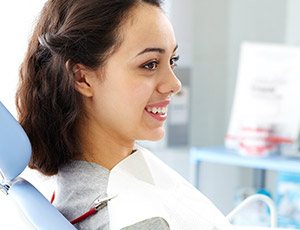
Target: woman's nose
{"x": 169, "y": 84}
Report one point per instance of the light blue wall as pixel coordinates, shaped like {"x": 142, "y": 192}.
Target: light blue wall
{"x": 210, "y": 34}
{"x": 252, "y": 20}
{"x": 293, "y": 21}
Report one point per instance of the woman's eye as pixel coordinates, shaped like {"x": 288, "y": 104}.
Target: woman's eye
{"x": 173, "y": 61}
{"x": 151, "y": 65}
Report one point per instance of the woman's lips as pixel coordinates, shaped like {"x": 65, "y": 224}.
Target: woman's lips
{"x": 158, "y": 110}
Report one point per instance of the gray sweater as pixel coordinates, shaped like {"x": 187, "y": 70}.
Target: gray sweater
{"x": 79, "y": 184}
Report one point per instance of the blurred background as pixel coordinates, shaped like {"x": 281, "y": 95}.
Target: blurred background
{"x": 209, "y": 34}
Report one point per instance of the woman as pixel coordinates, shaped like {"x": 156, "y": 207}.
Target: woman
{"x": 98, "y": 75}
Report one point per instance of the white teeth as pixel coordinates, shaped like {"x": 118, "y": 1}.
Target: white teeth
{"x": 155, "y": 110}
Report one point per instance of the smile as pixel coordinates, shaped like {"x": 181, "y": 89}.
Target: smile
{"x": 158, "y": 111}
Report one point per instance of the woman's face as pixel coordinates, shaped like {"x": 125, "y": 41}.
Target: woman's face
{"x": 133, "y": 91}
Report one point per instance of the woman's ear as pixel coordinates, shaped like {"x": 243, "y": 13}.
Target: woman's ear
{"x": 83, "y": 78}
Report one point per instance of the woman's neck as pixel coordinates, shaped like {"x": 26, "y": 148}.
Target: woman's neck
{"x": 102, "y": 148}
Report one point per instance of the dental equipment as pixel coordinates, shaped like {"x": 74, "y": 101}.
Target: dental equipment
{"x": 254, "y": 198}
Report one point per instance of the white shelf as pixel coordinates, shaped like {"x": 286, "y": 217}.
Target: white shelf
{"x": 230, "y": 157}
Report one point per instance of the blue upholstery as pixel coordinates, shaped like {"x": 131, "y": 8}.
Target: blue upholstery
{"x": 15, "y": 152}
{"x": 15, "y": 148}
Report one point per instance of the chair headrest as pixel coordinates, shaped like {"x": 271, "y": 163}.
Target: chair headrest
{"x": 15, "y": 148}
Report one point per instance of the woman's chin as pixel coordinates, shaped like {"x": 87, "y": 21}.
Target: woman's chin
{"x": 157, "y": 135}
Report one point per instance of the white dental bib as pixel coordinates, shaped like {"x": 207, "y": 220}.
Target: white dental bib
{"x": 147, "y": 188}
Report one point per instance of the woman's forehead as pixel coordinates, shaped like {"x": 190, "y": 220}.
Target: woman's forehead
{"x": 146, "y": 27}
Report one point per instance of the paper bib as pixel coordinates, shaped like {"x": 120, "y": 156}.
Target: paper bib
{"x": 147, "y": 188}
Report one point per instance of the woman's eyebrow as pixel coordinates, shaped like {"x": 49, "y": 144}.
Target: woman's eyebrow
{"x": 155, "y": 49}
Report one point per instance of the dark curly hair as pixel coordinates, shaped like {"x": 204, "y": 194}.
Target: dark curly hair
{"x": 49, "y": 107}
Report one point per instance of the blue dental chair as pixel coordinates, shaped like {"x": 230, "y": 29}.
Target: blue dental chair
{"x": 15, "y": 152}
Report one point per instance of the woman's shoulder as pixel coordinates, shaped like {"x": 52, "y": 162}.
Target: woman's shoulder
{"x": 79, "y": 184}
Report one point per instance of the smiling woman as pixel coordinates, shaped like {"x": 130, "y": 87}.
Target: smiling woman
{"x": 98, "y": 75}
